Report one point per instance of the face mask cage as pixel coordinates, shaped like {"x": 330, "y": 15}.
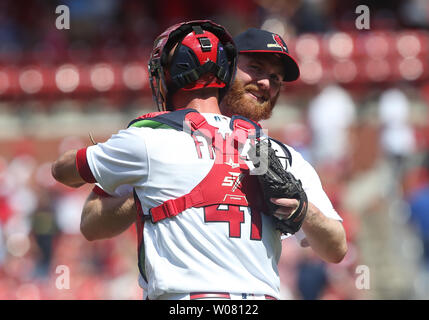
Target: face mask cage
{"x": 157, "y": 84}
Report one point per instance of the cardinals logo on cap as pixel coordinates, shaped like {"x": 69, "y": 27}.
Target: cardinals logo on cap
{"x": 279, "y": 41}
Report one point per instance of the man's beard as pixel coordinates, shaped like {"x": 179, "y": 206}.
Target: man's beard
{"x": 236, "y": 102}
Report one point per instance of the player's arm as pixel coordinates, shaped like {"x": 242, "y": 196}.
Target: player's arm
{"x": 106, "y": 217}
{"x": 322, "y": 229}
{"x": 325, "y": 236}
{"x": 122, "y": 160}
{"x": 118, "y": 165}
{"x": 64, "y": 170}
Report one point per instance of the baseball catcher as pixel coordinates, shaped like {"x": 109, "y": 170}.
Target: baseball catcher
{"x": 276, "y": 182}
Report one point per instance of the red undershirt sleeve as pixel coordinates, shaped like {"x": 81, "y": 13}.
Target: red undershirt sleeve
{"x": 83, "y": 167}
{"x": 100, "y": 192}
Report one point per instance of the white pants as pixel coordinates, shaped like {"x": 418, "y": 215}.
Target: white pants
{"x": 214, "y": 296}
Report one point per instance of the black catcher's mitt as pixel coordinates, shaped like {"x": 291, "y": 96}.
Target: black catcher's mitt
{"x": 276, "y": 182}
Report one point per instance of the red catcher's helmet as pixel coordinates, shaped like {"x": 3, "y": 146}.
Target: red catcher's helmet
{"x": 205, "y": 57}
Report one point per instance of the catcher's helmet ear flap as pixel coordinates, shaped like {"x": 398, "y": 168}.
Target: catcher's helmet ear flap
{"x": 204, "y": 57}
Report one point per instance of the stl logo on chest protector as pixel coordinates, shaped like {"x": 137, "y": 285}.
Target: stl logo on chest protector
{"x": 233, "y": 180}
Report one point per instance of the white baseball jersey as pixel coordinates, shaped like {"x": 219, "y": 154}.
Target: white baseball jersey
{"x": 192, "y": 252}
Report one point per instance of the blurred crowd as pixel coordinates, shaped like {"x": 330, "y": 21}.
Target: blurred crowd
{"x": 371, "y": 152}
{"x": 113, "y": 25}
{"x": 42, "y": 253}
{"x": 369, "y": 146}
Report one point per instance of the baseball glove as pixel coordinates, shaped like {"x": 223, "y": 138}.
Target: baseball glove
{"x": 276, "y": 182}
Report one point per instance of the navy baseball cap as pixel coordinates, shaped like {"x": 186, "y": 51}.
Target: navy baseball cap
{"x": 256, "y": 40}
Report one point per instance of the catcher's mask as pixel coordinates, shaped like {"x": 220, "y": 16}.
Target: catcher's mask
{"x": 204, "y": 57}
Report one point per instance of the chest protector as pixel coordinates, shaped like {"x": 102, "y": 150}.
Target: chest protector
{"x": 229, "y": 181}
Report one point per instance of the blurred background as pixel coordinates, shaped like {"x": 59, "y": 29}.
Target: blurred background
{"x": 359, "y": 113}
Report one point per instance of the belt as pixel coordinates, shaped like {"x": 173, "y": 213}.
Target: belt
{"x": 215, "y": 296}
